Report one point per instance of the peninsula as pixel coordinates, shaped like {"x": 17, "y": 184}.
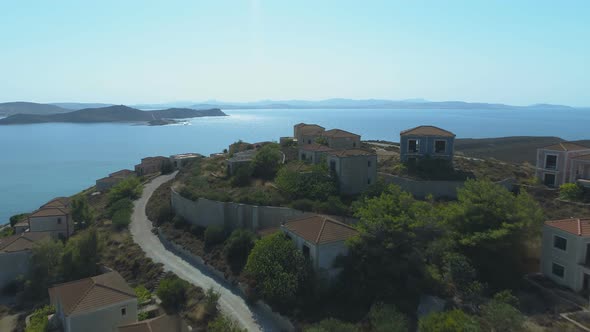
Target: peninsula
{"x": 118, "y": 113}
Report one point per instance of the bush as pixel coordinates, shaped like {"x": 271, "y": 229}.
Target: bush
{"x": 449, "y": 321}
{"x": 129, "y": 188}
{"x": 214, "y": 235}
{"x": 143, "y": 295}
{"x": 333, "y": 205}
{"x": 124, "y": 204}
{"x": 211, "y": 300}
{"x": 242, "y": 176}
{"x": 39, "y": 322}
{"x": 172, "y": 292}
{"x": 317, "y": 184}
{"x": 571, "y": 192}
{"x": 223, "y": 324}
{"x": 332, "y": 325}
{"x": 237, "y": 248}
{"x": 385, "y": 318}
{"x": 121, "y": 219}
{"x": 303, "y": 204}
{"x": 266, "y": 162}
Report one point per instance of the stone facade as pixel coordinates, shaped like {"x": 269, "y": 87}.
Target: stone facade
{"x": 356, "y": 169}
{"x": 150, "y": 165}
{"x": 562, "y": 163}
{"x": 426, "y": 141}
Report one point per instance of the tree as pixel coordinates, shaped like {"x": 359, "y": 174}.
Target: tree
{"x": 448, "y": 321}
{"x": 242, "y": 176}
{"x": 501, "y": 314}
{"x": 237, "y": 248}
{"x": 17, "y": 218}
{"x": 81, "y": 256}
{"x": 332, "y": 325}
{"x": 302, "y": 182}
{"x": 172, "y": 292}
{"x": 121, "y": 219}
{"x": 571, "y": 192}
{"x": 223, "y": 323}
{"x": 385, "y": 318}
{"x": 492, "y": 228}
{"x": 386, "y": 261}
{"x": 45, "y": 266}
{"x": 81, "y": 212}
{"x": 266, "y": 162}
{"x": 211, "y": 300}
{"x": 214, "y": 234}
{"x": 128, "y": 188}
{"x": 38, "y": 321}
{"x": 278, "y": 268}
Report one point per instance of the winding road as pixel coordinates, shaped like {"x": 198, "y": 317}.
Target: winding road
{"x": 251, "y": 317}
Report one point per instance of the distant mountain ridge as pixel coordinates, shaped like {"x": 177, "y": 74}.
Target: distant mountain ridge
{"x": 119, "y": 113}
{"x": 17, "y": 107}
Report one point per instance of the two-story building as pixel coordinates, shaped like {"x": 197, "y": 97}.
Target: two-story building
{"x": 53, "y": 217}
{"x": 321, "y": 239}
{"x": 314, "y": 153}
{"x": 307, "y": 133}
{"x": 150, "y": 165}
{"x": 341, "y": 139}
{"x": 96, "y": 304}
{"x": 565, "y": 256}
{"x": 15, "y": 254}
{"x": 563, "y": 163}
{"x": 356, "y": 169}
{"x": 426, "y": 141}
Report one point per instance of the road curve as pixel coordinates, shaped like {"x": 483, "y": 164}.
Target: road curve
{"x": 230, "y": 303}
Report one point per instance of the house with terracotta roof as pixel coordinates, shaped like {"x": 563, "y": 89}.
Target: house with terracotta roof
{"x": 565, "y": 256}
{"x": 356, "y": 169}
{"x": 426, "y": 141}
{"x": 54, "y": 216}
{"x": 162, "y": 323}
{"x": 307, "y": 133}
{"x": 313, "y": 153}
{"x": 96, "y": 304}
{"x": 15, "y": 254}
{"x": 110, "y": 181}
{"x": 342, "y": 139}
{"x": 321, "y": 239}
{"x": 563, "y": 163}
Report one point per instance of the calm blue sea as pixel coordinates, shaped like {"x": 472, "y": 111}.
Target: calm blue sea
{"x": 38, "y": 162}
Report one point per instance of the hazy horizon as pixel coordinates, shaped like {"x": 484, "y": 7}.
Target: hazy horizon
{"x": 132, "y": 52}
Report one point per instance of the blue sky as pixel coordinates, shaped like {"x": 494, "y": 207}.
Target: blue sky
{"x": 516, "y": 52}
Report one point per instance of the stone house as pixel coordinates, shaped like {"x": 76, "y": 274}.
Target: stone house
{"x": 321, "y": 239}
{"x": 342, "y": 139}
{"x": 423, "y": 141}
{"x": 15, "y": 254}
{"x": 54, "y": 217}
{"x": 313, "y": 153}
{"x": 565, "y": 255}
{"x": 179, "y": 160}
{"x": 110, "y": 181}
{"x": 240, "y": 159}
{"x": 96, "y": 304}
{"x": 150, "y": 165}
{"x": 307, "y": 133}
{"x": 562, "y": 163}
{"x": 356, "y": 169}
{"x": 162, "y": 323}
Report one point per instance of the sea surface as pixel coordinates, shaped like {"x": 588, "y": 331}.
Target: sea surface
{"x": 41, "y": 161}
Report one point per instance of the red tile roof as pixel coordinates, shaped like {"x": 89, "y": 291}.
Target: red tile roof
{"x": 576, "y": 226}
{"x": 49, "y": 212}
{"x": 315, "y": 147}
{"x": 566, "y": 146}
{"x": 23, "y": 241}
{"x": 91, "y": 293}
{"x": 320, "y": 229}
{"x": 351, "y": 153}
{"x": 58, "y": 202}
{"x": 427, "y": 131}
{"x": 339, "y": 133}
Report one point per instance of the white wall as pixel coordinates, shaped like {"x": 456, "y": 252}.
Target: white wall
{"x": 105, "y": 319}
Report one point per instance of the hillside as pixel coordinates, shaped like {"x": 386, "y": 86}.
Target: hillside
{"x": 118, "y": 113}
{"x": 516, "y": 149}
{"x": 20, "y": 107}
{"x": 79, "y": 106}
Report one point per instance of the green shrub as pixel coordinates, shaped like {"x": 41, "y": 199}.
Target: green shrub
{"x": 143, "y": 315}
{"x": 211, "y": 300}
{"x": 332, "y": 325}
{"x": 449, "y": 321}
{"x": 39, "y": 321}
{"x": 143, "y": 295}
{"x": 267, "y": 161}
{"x": 237, "y": 248}
{"x": 571, "y": 192}
{"x": 223, "y": 324}
{"x": 303, "y": 204}
{"x": 17, "y": 218}
{"x": 121, "y": 219}
{"x": 242, "y": 176}
{"x": 8, "y": 231}
{"x": 129, "y": 188}
{"x": 214, "y": 235}
{"x": 333, "y": 205}
{"x": 316, "y": 184}
{"x": 172, "y": 292}
{"x": 124, "y": 204}
{"x": 385, "y": 318}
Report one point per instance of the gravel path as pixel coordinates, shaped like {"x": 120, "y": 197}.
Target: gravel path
{"x": 250, "y": 317}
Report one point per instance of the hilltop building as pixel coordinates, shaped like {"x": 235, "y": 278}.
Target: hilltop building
{"x": 341, "y": 139}
{"x": 54, "y": 217}
{"x": 426, "y": 141}
{"x": 356, "y": 169}
{"x": 563, "y": 163}
{"x": 179, "y": 160}
{"x": 113, "y": 179}
{"x": 15, "y": 254}
{"x": 150, "y": 165}
{"x": 307, "y": 133}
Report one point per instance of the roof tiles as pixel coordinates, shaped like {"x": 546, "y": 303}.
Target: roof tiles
{"x": 427, "y": 131}
{"x": 576, "y": 226}
{"x": 320, "y": 229}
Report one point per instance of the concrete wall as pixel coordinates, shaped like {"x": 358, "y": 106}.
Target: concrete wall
{"x": 571, "y": 259}
{"x": 328, "y": 252}
{"x": 314, "y": 157}
{"x": 12, "y": 265}
{"x": 426, "y": 147}
{"x": 438, "y": 189}
{"x": 355, "y": 173}
{"x": 105, "y": 319}
{"x": 51, "y": 224}
{"x": 205, "y": 212}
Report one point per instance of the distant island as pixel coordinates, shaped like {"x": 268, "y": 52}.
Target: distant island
{"x": 119, "y": 113}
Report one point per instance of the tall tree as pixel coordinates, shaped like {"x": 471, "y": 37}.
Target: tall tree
{"x": 81, "y": 212}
